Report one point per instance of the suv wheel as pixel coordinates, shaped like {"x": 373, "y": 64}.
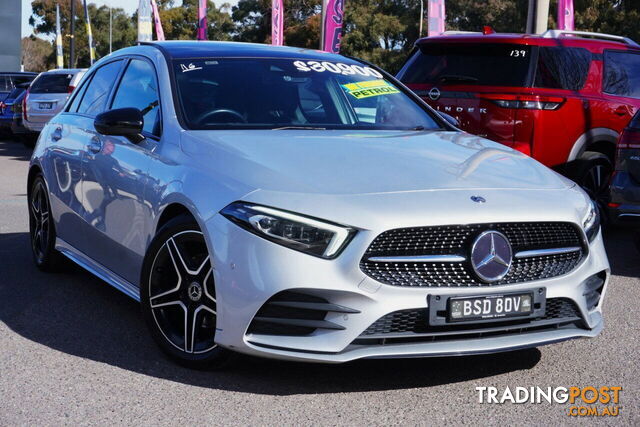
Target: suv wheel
{"x": 42, "y": 231}
{"x": 178, "y": 296}
{"x": 592, "y": 172}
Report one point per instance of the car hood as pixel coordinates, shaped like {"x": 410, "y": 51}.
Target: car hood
{"x": 365, "y": 162}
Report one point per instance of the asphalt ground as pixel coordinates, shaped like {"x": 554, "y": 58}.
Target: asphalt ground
{"x": 73, "y": 350}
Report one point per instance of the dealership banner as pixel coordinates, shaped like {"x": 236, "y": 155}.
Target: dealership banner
{"x": 92, "y": 50}
{"x": 157, "y": 22}
{"x": 565, "y": 15}
{"x": 202, "y": 20}
{"x": 59, "y": 61}
{"x": 332, "y": 17}
{"x": 436, "y": 17}
{"x": 277, "y": 22}
{"x": 144, "y": 21}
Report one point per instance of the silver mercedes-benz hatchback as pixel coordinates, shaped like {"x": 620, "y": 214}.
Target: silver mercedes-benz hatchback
{"x": 302, "y": 205}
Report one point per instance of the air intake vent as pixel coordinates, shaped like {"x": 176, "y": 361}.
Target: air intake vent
{"x": 295, "y": 313}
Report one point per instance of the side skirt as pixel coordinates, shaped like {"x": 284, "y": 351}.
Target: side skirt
{"x": 98, "y": 270}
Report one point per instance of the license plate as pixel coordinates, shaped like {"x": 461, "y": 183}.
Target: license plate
{"x": 45, "y": 105}
{"x": 490, "y": 307}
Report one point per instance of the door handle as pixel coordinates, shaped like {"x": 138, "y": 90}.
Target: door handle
{"x": 621, "y": 111}
{"x": 57, "y": 134}
{"x": 95, "y": 145}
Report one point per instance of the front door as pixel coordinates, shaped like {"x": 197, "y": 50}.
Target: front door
{"x": 115, "y": 174}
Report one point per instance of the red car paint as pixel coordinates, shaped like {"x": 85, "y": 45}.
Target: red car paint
{"x": 586, "y": 119}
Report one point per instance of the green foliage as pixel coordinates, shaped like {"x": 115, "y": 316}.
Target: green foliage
{"x": 380, "y": 31}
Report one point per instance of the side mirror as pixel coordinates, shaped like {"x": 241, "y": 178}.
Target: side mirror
{"x": 127, "y": 122}
{"x": 450, "y": 119}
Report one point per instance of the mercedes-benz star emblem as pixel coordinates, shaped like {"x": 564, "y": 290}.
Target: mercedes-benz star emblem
{"x": 434, "y": 94}
{"x": 491, "y": 256}
{"x": 194, "y": 291}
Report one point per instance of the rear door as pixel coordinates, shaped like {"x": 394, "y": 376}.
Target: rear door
{"x": 452, "y": 77}
{"x": 47, "y": 96}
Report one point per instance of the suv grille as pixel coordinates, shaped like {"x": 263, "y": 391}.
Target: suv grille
{"x": 414, "y": 323}
{"x": 457, "y": 240}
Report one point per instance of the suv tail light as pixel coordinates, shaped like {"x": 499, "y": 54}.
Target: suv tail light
{"x": 70, "y": 89}
{"x": 629, "y": 140}
{"x": 24, "y": 106}
{"x": 525, "y": 102}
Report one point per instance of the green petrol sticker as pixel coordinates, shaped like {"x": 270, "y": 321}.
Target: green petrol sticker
{"x": 369, "y": 88}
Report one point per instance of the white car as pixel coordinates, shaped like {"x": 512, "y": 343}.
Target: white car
{"x": 47, "y": 94}
{"x": 302, "y": 205}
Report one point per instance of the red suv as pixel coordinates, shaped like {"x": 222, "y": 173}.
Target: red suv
{"x": 561, "y": 97}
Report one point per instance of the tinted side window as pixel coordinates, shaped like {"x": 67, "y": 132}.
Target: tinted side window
{"x": 5, "y": 84}
{"x": 95, "y": 97}
{"x": 78, "y": 96}
{"x": 562, "y": 68}
{"x": 139, "y": 89}
{"x": 622, "y": 74}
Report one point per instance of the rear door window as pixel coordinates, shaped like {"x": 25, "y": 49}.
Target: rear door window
{"x": 562, "y": 68}
{"x": 52, "y": 83}
{"x": 95, "y": 97}
{"x": 622, "y": 74}
{"x": 139, "y": 89}
{"x": 469, "y": 64}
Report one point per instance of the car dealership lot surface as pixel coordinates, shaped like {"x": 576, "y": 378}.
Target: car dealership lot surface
{"x": 74, "y": 350}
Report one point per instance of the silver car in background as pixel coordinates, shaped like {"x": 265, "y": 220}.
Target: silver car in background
{"x": 302, "y": 205}
{"x": 47, "y": 95}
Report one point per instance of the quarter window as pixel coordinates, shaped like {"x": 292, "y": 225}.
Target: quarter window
{"x": 622, "y": 74}
{"x": 139, "y": 89}
{"x": 95, "y": 96}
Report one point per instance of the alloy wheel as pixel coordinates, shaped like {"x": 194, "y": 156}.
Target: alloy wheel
{"x": 39, "y": 209}
{"x": 182, "y": 293}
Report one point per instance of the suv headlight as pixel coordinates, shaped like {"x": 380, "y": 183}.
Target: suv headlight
{"x": 309, "y": 235}
{"x": 591, "y": 223}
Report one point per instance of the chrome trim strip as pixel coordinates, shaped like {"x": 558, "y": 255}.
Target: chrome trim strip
{"x": 418, "y": 258}
{"x": 628, "y": 214}
{"x": 98, "y": 270}
{"x": 543, "y": 252}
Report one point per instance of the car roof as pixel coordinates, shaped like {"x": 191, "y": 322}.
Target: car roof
{"x": 17, "y": 73}
{"x": 65, "y": 71}
{"x": 184, "y": 49}
{"x": 527, "y": 39}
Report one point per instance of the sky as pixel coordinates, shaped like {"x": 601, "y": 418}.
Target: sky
{"x": 128, "y": 5}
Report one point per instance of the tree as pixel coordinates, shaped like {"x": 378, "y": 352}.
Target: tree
{"x": 36, "y": 54}
{"x": 181, "y": 23}
{"x": 43, "y": 19}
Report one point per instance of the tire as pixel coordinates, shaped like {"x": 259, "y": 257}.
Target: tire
{"x": 42, "y": 232}
{"x": 592, "y": 172}
{"x": 177, "y": 295}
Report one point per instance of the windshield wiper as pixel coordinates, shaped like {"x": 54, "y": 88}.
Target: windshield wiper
{"x": 456, "y": 78}
{"x": 299, "y": 127}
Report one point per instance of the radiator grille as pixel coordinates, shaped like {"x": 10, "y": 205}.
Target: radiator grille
{"x": 457, "y": 240}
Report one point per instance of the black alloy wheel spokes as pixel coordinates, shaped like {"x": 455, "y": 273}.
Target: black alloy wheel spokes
{"x": 182, "y": 293}
{"x": 40, "y": 221}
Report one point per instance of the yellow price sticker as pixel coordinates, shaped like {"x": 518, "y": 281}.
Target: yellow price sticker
{"x": 369, "y": 88}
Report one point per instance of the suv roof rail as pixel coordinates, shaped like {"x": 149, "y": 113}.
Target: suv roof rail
{"x": 454, "y": 32}
{"x": 553, "y": 34}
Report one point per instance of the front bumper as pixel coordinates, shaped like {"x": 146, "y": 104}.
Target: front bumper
{"x": 249, "y": 270}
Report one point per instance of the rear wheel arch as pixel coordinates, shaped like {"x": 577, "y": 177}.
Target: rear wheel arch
{"x": 601, "y": 140}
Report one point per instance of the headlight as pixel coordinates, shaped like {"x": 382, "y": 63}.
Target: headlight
{"x": 591, "y": 223}
{"x": 304, "y": 234}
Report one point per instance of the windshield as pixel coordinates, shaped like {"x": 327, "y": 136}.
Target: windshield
{"x": 469, "y": 64}
{"x": 271, "y": 93}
